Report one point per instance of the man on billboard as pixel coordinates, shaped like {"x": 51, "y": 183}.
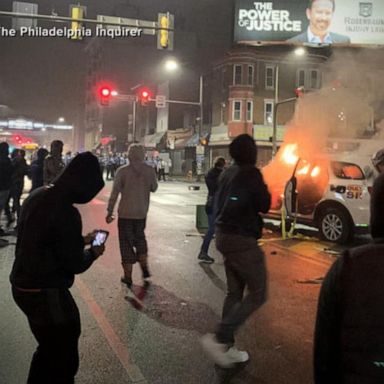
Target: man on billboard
{"x": 319, "y": 14}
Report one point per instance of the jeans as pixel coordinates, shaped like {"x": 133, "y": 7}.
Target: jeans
{"x": 244, "y": 263}
{"x": 209, "y": 235}
{"x": 54, "y": 320}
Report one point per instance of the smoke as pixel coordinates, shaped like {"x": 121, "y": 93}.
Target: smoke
{"x": 347, "y": 106}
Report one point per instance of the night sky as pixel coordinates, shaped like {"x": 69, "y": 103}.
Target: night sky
{"x": 44, "y": 78}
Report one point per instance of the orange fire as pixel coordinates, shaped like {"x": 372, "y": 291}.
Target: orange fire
{"x": 315, "y": 171}
{"x": 289, "y": 154}
{"x": 311, "y": 174}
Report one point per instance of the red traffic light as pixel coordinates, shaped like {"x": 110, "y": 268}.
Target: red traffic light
{"x": 105, "y": 92}
{"x": 144, "y": 96}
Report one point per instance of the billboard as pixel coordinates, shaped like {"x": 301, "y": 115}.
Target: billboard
{"x": 343, "y": 22}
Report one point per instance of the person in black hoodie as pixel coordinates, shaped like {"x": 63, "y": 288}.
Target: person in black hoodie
{"x": 211, "y": 180}
{"x": 50, "y": 250}
{"x": 37, "y": 168}
{"x": 349, "y": 333}
{"x": 6, "y": 171}
{"x": 241, "y": 196}
{"x": 20, "y": 169}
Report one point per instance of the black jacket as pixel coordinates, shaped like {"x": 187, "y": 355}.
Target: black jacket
{"x": 241, "y": 196}
{"x": 6, "y": 170}
{"x": 349, "y": 336}
{"x": 50, "y": 246}
{"x": 211, "y": 180}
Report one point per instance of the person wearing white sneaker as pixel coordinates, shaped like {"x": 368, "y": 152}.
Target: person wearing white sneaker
{"x": 222, "y": 354}
{"x": 241, "y": 196}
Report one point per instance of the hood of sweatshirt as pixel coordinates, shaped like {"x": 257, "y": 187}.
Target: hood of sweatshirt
{"x": 81, "y": 180}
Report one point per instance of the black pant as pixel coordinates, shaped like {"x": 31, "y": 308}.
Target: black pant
{"x": 161, "y": 174}
{"x": 244, "y": 263}
{"x": 132, "y": 239}
{"x": 54, "y": 320}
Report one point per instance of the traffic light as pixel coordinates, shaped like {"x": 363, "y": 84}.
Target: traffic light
{"x": 203, "y": 141}
{"x": 144, "y": 96}
{"x": 105, "y": 95}
{"x": 77, "y": 13}
{"x": 164, "y": 34}
{"x": 299, "y": 91}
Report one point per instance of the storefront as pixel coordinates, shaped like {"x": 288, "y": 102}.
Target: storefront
{"x": 177, "y": 144}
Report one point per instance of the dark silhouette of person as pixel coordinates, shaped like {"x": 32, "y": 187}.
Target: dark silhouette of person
{"x": 50, "y": 250}
{"x": 37, "y": 169}
{"x": 53, "y": 163}
{"x": 241, "y": 196}
{"x": 349, "y": 335}
{"x": 211, "y": 180}
{"x": 6, "y": 170}
{"x": 20, "y": 169}
{"x": 320, "y": 14}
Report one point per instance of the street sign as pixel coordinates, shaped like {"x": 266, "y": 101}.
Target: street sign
{"x": 129, "y": 98}
{"x": 161, "y": 101}
{"x": 200, "y": 150}
{"x": 27, "y": 8}
{"x": 140, "y": 24}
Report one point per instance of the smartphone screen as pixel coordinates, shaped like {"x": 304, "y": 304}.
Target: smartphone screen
{"x": 100, "y": 238}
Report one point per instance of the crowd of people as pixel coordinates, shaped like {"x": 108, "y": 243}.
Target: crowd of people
{"x": 348, "y": 344}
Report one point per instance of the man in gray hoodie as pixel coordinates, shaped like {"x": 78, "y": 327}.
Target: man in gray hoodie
{"x": 134, "y": 182}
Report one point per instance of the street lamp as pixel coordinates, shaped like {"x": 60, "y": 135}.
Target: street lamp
{"x": 300, "y": 51}
{"x": 171, "y": 65}
{"x": 61, "y": 119}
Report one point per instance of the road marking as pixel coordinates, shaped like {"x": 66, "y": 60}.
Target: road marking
{"x": 115, "y": 343}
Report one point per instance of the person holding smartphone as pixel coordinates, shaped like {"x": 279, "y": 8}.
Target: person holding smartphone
{"x": 50, "y": 250}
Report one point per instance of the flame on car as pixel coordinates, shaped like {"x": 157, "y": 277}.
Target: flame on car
{"x": 289, "y": 154}
{"x": 301, "y": 160}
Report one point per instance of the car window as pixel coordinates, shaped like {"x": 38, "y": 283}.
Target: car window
{"x": 348, "y": 171}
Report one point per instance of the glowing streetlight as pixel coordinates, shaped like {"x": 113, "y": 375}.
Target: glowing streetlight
{"x": 300, "y": 51}
{"x": 61, "y": 120}
{"x": 171, "y": 65}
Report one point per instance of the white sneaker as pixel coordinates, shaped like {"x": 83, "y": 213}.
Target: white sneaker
{"x": 220, "y": 354}
{"x": 237, "y": 356}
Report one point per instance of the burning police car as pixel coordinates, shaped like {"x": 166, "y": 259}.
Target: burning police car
{"x": 329, "y": 189}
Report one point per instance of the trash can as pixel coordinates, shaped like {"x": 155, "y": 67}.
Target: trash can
{"x": 201, "y": 219}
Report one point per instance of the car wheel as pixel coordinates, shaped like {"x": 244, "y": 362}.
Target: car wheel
{"x": 335, "y": 226}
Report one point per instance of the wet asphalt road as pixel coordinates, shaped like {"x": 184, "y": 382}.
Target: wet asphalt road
{"x": 156, "y": 339}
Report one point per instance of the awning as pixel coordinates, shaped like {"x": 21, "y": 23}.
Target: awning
{"x": 219, "y": 135}
{"x": 264, "y": 132}
{"x": 178, "y": 138}
{"x": 151, "y": 141}
{"x": 193, "y": 141}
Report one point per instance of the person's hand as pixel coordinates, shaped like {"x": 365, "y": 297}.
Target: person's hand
{"x": 109, "y": 218}
{"x": 89, "y": 237}
{"x": 98, "y": 250}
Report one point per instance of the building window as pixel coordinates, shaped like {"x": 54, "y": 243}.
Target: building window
{"x": 308, "y": 78}
{"x": 236, "y": 110}
{"x": 268, "y": 112}
{"x": 237, "y": 74}
{"x": 250, "y": 111}
{"x": 269, "y": 77}
{"x": 300, "y": 79}
{"x": 250, "y": 75}
{"x": 314, "y": 79}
